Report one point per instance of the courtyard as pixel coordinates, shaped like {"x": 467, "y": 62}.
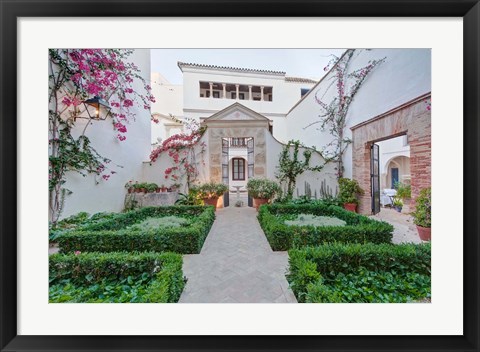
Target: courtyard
{"x": 229, "y": 184}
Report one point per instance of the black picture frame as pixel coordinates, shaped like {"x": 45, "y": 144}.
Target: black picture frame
{"x": 12, "y": 10}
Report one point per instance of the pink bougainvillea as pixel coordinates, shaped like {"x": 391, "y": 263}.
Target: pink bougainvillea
{"x": 181, "y": 150}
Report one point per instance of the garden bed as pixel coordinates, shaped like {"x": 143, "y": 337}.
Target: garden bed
{"x": 360, "y": 273}
{"x": 115, "y": 278}
{"x": 179, "y": 229}
{"x": 278, "y": 223}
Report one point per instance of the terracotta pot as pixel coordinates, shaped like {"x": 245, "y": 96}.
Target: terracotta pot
{"x": 157, "y": 190}
{"x": 143, "y": 190}
{"x": 211, "y": 201}
{"x": 259, "y": 201}
{"x": 350, "y": 207}
{"x": 138, "y": 190}
{"x": 130, "y": 190}
{"x": 163, "y": 189}
{"x": 425, "y": 233}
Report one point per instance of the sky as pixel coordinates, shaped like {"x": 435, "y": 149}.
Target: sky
{"x": 307, "y": 63}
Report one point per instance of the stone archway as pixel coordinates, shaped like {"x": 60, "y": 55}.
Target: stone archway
{"x": 412, "y": 119}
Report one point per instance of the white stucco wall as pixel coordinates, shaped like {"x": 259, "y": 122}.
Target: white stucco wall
{"x": 405, "y": 75}
{"x": 109, "y": 195}
{"x": 315, "y": 179}
{"x": 285, "y": 95}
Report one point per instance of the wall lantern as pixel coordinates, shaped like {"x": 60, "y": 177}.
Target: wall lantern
{"x": 97, "y": 108}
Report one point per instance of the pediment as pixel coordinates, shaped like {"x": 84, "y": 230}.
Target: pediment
{"x": 237, "y": 112}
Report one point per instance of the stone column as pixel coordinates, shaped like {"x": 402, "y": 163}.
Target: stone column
{"x": 211, "y": 90}
{"x": 261, "y": 93}
{"x": 237, "y": 86}
{"x": 224, "y": 90}
{"x": 250, "y": 93}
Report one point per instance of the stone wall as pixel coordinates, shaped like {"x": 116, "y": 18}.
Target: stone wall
{"x": 138, "y": 200}
{"x": 412, "y": 119}
{"x": 215, "y": 135}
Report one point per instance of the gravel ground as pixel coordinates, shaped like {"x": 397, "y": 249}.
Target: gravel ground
{"x": 404, "y": 228}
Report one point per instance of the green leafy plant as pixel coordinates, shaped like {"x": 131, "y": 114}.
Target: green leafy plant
{"x": 357, "y": 228}
{"x": 115, "y": 277}
{"x": 151, "y": 187}
{"x": 397, "y": 201}
{"x": 290, "y": 166}
{"x": 349, "y": 190}
{"x": 193, "y": 197}
{"x": 422, "y": 216}
{"x": 360, "y": 272}
{"x": 262, "y": 188}
{"x": 212, "y": 190}
{"x": 404, "y": 191}
{"x": 117, "y": 233}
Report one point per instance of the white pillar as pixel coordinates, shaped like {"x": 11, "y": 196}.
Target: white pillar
{"x": 224, "y": 90}
{"x": 238, "y": 90}
{"x": 261, "y": 93}
{"x": 250, "y": 93}
{"x": 211, "y": 90}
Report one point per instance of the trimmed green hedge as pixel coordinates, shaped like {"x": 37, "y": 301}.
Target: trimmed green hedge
{"x": 111, "y": 235}
{"x": 312, "y": 268}
{"x": 116, "y": 277}
{"x": 359, "y": 228}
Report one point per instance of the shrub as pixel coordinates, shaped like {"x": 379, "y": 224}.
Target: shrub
{"x": 262, "y": 188}
{"x": 358, "y": 228}
{"x": 116, "y": 277}
{"x": 212, "y": 190}
{"x": 340, "y": 266}
{"x": 404, "y": 191}
{"x": 349, "y": 190}
{"x": 422, "y": 216}
{"x": 114, "y": 235}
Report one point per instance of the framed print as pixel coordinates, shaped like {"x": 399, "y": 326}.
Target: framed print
{"x": 200, "y": 176}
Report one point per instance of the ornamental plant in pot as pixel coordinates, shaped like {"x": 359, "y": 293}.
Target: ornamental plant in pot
{"x": 262, "y": 190}
{"x": 348, "y": 193}
{"x": 422, "y": 216}
{"x": 404, "y": 192}
{"x": 151, "y": 187}
{"x": 397, "y": 203}
{"x": 211, "y": 191}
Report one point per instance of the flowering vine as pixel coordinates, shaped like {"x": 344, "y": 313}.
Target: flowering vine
{"x": 74, "y": 76}
{"x": 334, "y": 115}
{"x": 181, "y": 148}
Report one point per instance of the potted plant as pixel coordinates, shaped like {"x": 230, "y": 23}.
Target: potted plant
{"x": 397, "y": 203}
{"x": 163, "y": 188}
{"x": 262, "y": 190}
{"x": 211, "y": 191}
{"x": 129, "y": 186}
{"x": 348, "y": 193}
{"x": 404, "y": 192}
{"x": 151, "y": 187}
{"x": 422, "y": 216}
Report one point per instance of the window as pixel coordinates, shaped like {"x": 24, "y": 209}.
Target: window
{"x": 238, "y": 142}
{"x": 216, "y": 94}
{"x": 304, "y": 91}
{"x": 241, "y": 96}
{"x": 207, "y": 94}
{"x": 238, "y": 166}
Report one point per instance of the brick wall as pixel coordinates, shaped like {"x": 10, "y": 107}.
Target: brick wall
{"x": 412, "y": 119}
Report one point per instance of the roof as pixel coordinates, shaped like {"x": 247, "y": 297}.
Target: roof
{"x": 181, "y": 65}
{"x": 300, "y": 80}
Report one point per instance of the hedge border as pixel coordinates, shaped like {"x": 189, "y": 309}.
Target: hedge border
{"x": 310, "y": 265}
{"x": 111, "y": 236}
{"x": 165, "y": 270}
{"x": 359, "y": 228}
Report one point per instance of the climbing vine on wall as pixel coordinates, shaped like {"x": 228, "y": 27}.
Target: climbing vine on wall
{"x": 334, "y": 114}
{"x": 74, "y": 76}
{"x": 290, "y": 165}
{"x": 182, "y": 148}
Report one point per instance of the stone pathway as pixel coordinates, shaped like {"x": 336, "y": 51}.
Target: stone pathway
{"x": 236, "y": 264}
{"x": 404, "y": 230}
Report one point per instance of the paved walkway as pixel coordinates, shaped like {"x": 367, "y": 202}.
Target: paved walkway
{"x": 404, "y": 230}
{"x": 236, "y": 264}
